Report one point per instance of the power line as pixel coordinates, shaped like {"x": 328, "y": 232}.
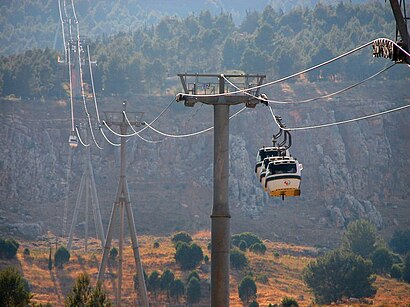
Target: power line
{"x": 79, "y": 137}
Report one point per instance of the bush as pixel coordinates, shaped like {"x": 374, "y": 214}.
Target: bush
{"x": 339, "y": 274}
{"x": 247, "y": 289}
{"x": 26, "y": 252}
{"x": 396, "y": 271}
{"x": 154, "y": 282}
{"x": 8, "y": 248}
{"x": 238, "y": 259}
{"x": 113, "y": 253}
{"x": 206, "y": 259}
{"x": 243, "y": 246}
{"x": 193, "y": 291}
{"x": 188, "y": 256}
{"x": 254, "y": 304}
{"x": 193, "y": 274}
{"x": 14, "y": 290}
{"x": 289, "y": 302}
{"x": 258, "y": 248}
{"x": 360, "y": 238}
{"x": 156, "y": 244}
{"x": 400, "y": 241}
{"x": 406, "y": 269}
{"x": 382, "y": 260}
{"x": 61, "y": 256}
{"x": 167, "y": 278}
{"x": 177, "y": 289}
{"x": 248, "y": 237}
{"x": 181, "y": 237}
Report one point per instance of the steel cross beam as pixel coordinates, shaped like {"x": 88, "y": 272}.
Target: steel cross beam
{"x": 401, "y": 26}
{"x": 220, "y": 216}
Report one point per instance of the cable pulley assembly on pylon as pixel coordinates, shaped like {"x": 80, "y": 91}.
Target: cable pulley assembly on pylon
{"x": 279, "y": 172}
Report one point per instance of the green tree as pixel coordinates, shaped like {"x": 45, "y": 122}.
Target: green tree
{"x": 13, "y": 289}
{"x": 247, "y": 289}
{"x": 248, "y": 237}
{"x": 193, "y": 274}
{"x": 382, "y": 260}
{"x": 360, "y": 238}
{"x": 188, "y": 256}
{"x": 113, "y": 253}
{"x": 8, "y": 248}
{"x": 254, "y": 304}
{"x": 238, "y": 259}
{"x": 61, "y": 256}
{"x": 83, "y": 294}
{"x": 154, "y": 282}
{"x": 258, "y": 248}
{"x": 243, "y": 246}
{"x": 339, "y": 274}
{"x": 396, "y": 271}
{"x": 156, "y": 244}
{"x": 193, "y": 291}
{"x": 400, "y": 241}
{"x": 167, "y": 278}
{"x": 289, "y": 302}
{"x": 406, "y": 268}
{"x": 181, "y": 236}
{"x": 177, "y": 289}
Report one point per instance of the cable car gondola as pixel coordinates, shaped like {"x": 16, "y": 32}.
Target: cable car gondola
{"x": 283, "y": 177}
{"x": 266, "y": 152}
{"x": 73, "y": 141}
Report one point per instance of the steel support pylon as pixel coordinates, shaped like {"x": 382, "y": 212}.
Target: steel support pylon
{"x": 87, "y": 183}
{"x": 121, "y": 206}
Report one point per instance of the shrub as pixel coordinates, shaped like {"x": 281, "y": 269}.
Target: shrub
{"x": 167, "y": 278}
{"x": 289, "y": 302}
{"x": 248, "y": 237}
{"x": 156, "y": 244}
{"x": 8, "y": 248}
{"x": 26, "y": 252}
{"x": 154, "y": 282}
{"x": 254, "y": 304}
{"x": 400, "y": 241}
{"x": 206, "y": 259}
{"x": 339, "y": 274}
{"x": 177, "y": 289}
{"x": 193, "y": 291}
{"x": 61, "y": 256}
{"x": 258, "y": 248}
{"x": 247, "y": 289}
{"x": 238, "y": 259}
{"x": 382, "y": 260}
{"x": 396, "y": 271}
{"x": 181, "y": 237}
{"x": 243, "y": 246}
{"x": 113, "y": 253}
{"x": 193, "y": 274}
{"x": 188, "y": 256}
{"x": 406, "y": 269}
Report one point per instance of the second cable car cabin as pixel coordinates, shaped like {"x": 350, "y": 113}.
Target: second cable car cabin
{"x": 283, "y": 177}
{"x": 266, "y": 152}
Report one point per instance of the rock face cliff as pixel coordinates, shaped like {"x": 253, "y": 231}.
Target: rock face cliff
{"x": 351, "y": 171}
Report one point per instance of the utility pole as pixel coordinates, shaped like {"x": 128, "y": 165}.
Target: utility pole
{"x": 88, "y": 183}
{"x": 220, "y": 216}
{"x": 123, "y": 204}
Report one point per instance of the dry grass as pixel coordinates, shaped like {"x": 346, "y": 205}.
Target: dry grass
{"x": 278, "y": 272}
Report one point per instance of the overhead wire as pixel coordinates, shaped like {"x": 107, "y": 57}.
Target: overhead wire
{"x": 190, "y": 134}
{"x": 79, "y": 138}
{"x": 297, "y": 73}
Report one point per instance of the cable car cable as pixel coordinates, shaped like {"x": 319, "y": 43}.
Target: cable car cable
{"x": 79, "y": 138}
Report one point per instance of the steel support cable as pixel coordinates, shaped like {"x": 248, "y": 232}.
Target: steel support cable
{"x": 81, "y": 80}
{"x": 298, "y": 73}
{"x": 189, "y": 134}
{"x": 92, "y": 85}
{"x": 71, "y": 85}
{"x": 141, "y": 137}
{"x": 108, "y": 140}
{"x": 319, "y": 97}
{"x": 340, "y": 122}
{"x": 62, "y": 29}
{"x": 79, "y": 137}
{"x": 138, "y": 132}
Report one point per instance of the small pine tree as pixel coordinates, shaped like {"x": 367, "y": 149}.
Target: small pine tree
{"x": 406, "y": 269}
{"x": 247, "y": 289}
{"x": 289, "y": 302}
{"x": 26, "y": 252}
{"x": 14, "y": 290}
{"x": 396, "y": 271}
{"x": 242, "y": 245}
{"x": 181, "y": 236}
{"x": 177, "y": 289}
{"x": 206, "y": 259}
{"x": 238, "y": 259}
{"x": 156, "y": 244}
{"x": 193, "y": 291}
{"x": 193, "y": 274}
{"x": 254, "y": 304}
{"x": 113, "y": 253}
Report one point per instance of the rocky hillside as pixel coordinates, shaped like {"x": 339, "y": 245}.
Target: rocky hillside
{"x": 357, "y": 170}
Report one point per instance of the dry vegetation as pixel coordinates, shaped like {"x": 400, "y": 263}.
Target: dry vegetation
{"x": 278, "y": 272}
